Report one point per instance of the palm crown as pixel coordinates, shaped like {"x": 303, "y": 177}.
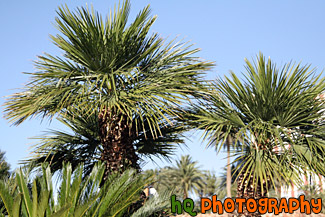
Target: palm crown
{"x": 108, "y": 65}
{"x": 133, "y": 80}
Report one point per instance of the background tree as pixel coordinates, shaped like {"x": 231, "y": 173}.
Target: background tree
{"x": 229, "y": 146}
{"x": 277, "y": 115}
{"x": 4, "y": 166}
{"x": 314, "y": 191}
{"x": 223, "y": 180}
{"x": 212, "y": 186}
{"x": 229, "y": 143}
{"x": 185, "y": 177}
{"x": 133, "y": 80}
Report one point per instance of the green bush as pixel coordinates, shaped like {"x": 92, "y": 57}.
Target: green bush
{"x": 78, "y": 195}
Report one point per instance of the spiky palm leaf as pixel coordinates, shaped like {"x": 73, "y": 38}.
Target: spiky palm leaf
{"x": 83, "y": 145}
{"x": 155, "y": 206}
{"x": 77, "y": 196}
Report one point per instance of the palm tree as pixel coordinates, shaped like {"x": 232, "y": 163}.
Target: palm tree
{"x": 229, "y": 143}
{"x": 4, "y": 166}
{"x": 212, "y": 186}
{"x": 185, "y": 177}
{"x": 272, "y": 109}
{"x": 224, "y": 179}
{"x": 132, "y": 80}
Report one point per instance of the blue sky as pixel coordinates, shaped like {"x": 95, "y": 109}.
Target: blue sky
{"x": 226, "y": 31}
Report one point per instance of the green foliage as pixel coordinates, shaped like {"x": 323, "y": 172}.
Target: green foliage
{"x": 268, "y": 110}
{"x": 314, "y": 191}
{"x": 77, "y": 196}
{"x": 4, "y": 166}
{"x": 223, "y": 181}
{"x": 213, "y": 186}
{"x": 171, "y": 178}
{"x": 114, "y": 64}
{"x": 183, "y": 178}
{"x": 157, "y": 206}
{"x": 83, "y": 144}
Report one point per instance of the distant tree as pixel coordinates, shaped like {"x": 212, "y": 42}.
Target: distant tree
{"x": 212, "y": 186}
{"x": 4, "y": 166}
{"x": 224, "y": 179}
{"x": 185, "y": 177}
{"x": 314, "y": 191}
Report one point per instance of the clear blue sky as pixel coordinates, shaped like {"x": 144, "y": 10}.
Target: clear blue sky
{"x": 226, "y": 31}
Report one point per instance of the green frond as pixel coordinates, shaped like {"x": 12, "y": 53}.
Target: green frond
{"x": 110, "y": 63}
{"x": 82, "y": 144}
{"x": 78, "y": 196}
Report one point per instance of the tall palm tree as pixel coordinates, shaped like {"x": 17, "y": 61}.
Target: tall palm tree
{"x": 229, "y": 143}
{"x": 278, "y": 119}
{"x": 133, "y": 80}
{"x": 185, "y": 177}
{"x": 224, "y": 179}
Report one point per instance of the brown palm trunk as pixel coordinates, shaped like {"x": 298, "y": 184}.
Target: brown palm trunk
{"x": 117, "y": 143}
{"x": 185, "y": 194}
{"x": 246, "y": 189}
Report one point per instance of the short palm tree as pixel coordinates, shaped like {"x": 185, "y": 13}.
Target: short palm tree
{"x": 277, "y": 115}
{"x": 131, "y": 79}
{"x": 79, "y": 196}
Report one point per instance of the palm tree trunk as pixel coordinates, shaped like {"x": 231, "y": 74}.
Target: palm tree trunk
{"x": 246, "y": 189}
{"x": 229, "y": 142}
{"x": 117, "y": 143}
{"x": 185, "y": 194}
